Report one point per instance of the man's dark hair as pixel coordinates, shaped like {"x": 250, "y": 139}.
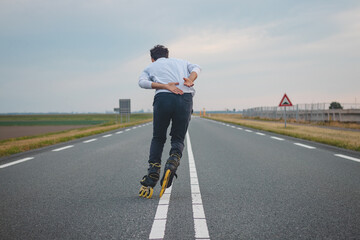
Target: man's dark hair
{"x": 159, "y": 51}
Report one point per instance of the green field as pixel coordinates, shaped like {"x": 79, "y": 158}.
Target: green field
{"x": 65, "y": 119}
{"x": 100, "y": 123}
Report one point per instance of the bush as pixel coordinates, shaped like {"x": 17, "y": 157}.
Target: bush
{"x": 335, "y": 105}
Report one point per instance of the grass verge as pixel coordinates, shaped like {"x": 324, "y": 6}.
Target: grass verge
{"x": 63, "y": 119}
{"x": 18, "y": 145}
{"x": 339, "y": 138}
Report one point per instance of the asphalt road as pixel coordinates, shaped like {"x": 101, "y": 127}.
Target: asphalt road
{"x": 250, "y": 185}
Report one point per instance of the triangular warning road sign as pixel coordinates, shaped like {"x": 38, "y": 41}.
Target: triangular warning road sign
{"x": 285, "y": 102}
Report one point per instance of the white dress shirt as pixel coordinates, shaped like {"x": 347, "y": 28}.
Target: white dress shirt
{"x": 167, "y": 70}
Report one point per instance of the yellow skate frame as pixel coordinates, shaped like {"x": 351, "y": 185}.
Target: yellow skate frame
{"x": 165, "y": 182}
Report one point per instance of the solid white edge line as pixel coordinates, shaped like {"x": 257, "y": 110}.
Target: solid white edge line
{"x": 63, "y": 148}
{"x": 198, "y": 212}
{"x": 348, "y": 157}
{"x": 161, "y": 212}
{"x": 158, "y": 229}
{"x": 196, "y": 198}
{"x": 16, "y": 162}
{"x": 305, "y": 146}
{"x": 91, "y": 140}
{"x": 201, "y": 230}
{"x": 200, "y": 225}
{"x": 159, "y": 224}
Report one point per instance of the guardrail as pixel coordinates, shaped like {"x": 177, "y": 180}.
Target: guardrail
{"x": 318, "y": 112}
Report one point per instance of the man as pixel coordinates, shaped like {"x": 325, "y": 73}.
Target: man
{"x": 173, "y": 80}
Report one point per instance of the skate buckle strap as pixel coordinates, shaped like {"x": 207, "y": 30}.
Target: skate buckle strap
{"x": 173, "y": 162}
{"x": 155, "y": 165}
{"x": 143, "y": 179}
{"x": 154, "y": 176}
{"x": 176, "y": 155}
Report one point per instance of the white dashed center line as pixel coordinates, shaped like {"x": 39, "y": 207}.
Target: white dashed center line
{"x": 91, "y": 140}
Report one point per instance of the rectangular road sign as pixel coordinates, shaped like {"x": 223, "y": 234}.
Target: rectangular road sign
{"x": 124, "y": 105}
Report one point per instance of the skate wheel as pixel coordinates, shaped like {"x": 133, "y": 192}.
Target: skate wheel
{"x": 142, "y": 191}
{"x": 146, "y": 192}
{"x": 151, "y": 191}
{"x": 165, "y": 182}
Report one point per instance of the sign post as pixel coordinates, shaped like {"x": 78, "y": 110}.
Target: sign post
{"x": 117, "y": 110}
{"x": 285, "y": 102}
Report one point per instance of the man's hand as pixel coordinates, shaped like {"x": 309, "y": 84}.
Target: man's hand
{"x": 172, "y": 88}
{"x": 188, "y": 82}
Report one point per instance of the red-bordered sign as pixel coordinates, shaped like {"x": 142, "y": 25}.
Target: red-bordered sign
{"x": 285, "y": 101}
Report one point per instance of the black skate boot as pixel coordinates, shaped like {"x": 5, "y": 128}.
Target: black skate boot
{"x": 149, "y": 181}
{"x": 170, "y": 171}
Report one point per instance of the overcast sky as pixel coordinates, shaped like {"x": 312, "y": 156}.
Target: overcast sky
{"x": 83, "y": 55}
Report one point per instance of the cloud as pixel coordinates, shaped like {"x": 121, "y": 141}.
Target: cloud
{"x": 255, "y": 63}
{"x": 89, "y": 54}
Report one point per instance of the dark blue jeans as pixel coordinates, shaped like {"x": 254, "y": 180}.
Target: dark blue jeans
{"x": 177, "y": 109}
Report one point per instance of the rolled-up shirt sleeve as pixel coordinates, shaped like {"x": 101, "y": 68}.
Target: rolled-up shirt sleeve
{"x": 144, "y": 80}
{"x": 194, "y": 68}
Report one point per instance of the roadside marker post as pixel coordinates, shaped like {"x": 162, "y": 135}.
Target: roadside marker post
{"x": 285, "y": 102}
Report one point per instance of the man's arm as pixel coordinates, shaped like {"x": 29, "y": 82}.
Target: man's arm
{"x": 194, "y": 71}
{"x": 144, "y": 80}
